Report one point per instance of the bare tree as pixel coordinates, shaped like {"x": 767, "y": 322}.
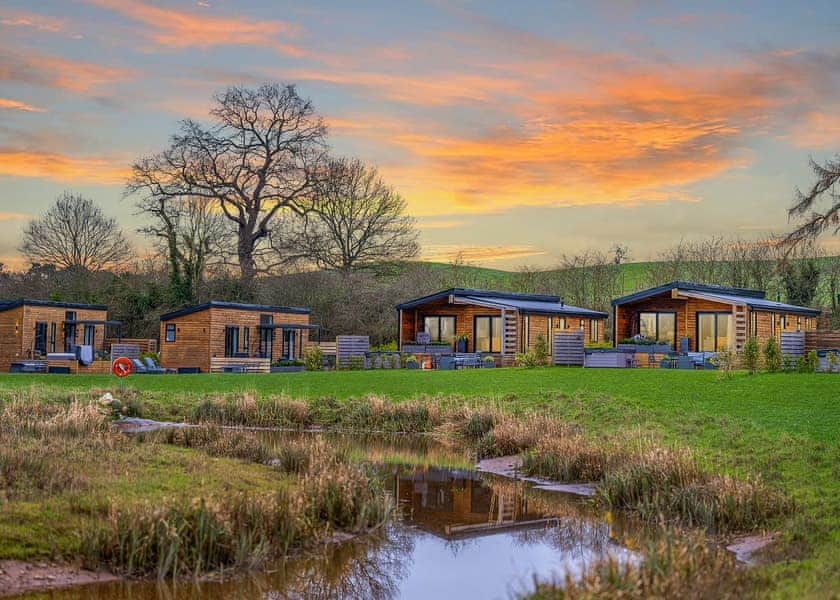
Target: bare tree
{"x": 355, "y": 221}
{"x": 812, "y": 221}
{"x": 191, "y": 233}
{"x": 259, "y": 157}
{"x": 75, "y": 233}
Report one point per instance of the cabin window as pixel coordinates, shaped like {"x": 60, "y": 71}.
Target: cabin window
{"x": 561, "y": 323}
{"x": 798, "y": 323}
{"x": 782, "y": 323}
{"x": 488, "y": 333}
{"x": 526, "y": 332}
{"x": 266, "y": 336}
{"x": 441, "y": 328}
{"x": 594, "y": 330}
{"x": 714, "y": 331}
{"x": 52, "y": 336}
{"x": 40, "y": 338}
{"x": 89, "y": 335}
{"x": 170, "y": 332}
{"x": 660, "y": 326}
{"x": 231, "y": 340}
{"x": 69, "y": 331}
{"x": 754, "y": 324}
{"x": 246, "y": 339}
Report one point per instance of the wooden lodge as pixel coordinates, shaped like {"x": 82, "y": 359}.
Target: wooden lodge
{"x": 710, "y": 317}
{"x": 47, "y": 332}
{"x": 225, "y": 336}
{"x": 493, "y": 322}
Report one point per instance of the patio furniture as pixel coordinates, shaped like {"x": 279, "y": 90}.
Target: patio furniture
{"x": 467, "y": 359}
{"x": 152, "y": 367}
{"x": 28, "y": 366}
{"x": 447, "y": 363}
{"x": 138, "y": 366}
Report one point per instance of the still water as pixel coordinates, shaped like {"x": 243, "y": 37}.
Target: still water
{"x": 458, "y": 534}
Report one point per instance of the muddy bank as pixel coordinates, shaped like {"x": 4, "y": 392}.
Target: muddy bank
{"x": 510, "y": 466}
{"x": 746, "y": 548}
{"x": 17, "y": 577}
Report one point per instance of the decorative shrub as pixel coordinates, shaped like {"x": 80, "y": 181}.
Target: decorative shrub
{"x": 772, "y": 356}
{"x": 750, "y": 356}
{"x": 313, "y": 358}
{"x": 807, "y": 363}
{"x": 538, "y": 356}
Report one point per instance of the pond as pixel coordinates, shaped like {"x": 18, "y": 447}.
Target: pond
{"x": 458, "y": 533}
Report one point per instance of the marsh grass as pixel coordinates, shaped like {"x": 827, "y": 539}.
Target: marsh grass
{"x": 659, "y": 483}
{"x": 672, "y": 567}
{"x": 245, "y": 410}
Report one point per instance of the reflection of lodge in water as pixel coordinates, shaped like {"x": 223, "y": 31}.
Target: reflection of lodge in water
{"x": 449, "y": 502}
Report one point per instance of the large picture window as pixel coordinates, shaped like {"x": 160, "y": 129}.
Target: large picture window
{"x": 40, "y": 338}
{"x": 89, "y": 335}
{"x": 488, "y": 334}
{"x": 714, "y": 331}
{"x": 231, "y": 340}
{"x": 441, "y": 328}
{"x": 659, "y": 326}
{"x": 69, "y": 331}
{"x": 266, "y": 336}
{"x": 594, "y": 330}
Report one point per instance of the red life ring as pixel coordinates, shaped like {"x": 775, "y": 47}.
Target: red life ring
{"x": 122, "y": 367}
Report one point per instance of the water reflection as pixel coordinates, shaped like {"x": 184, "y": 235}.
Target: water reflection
{"x": 459, "y": 533}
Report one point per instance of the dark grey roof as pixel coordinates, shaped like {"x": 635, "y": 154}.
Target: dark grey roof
{"x": 526, "y": 303}
{"x": 728, "y": 295}
{"x": 691, "y": 286}
{"x": 10, "y": 304}
{"x": 234, "y": 305}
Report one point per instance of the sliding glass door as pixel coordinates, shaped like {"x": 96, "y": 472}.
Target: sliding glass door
{"x": 714, "y": 331}
{"x": 659, "y": 326}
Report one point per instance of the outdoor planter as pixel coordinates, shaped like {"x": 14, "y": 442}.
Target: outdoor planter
{"x": 287, "y": 369}
{"x": 462, "y": 345}
{"x": 648, "y": 348}
{"x": 488, "y": 364}
{"x": 412, "y": 364}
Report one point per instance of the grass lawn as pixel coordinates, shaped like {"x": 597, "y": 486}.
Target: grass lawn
{"x": 784, "y": 427}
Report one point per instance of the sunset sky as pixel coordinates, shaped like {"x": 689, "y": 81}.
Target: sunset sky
{"x": 517, "y": 131}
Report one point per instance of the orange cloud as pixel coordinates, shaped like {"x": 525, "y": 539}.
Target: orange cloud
{"x": 18, "y": 105}
{"x": 182, "y": 29}
{"x": 60, "y": 167}
{"x": 56, "y": 71}
{"x": 6, "y": 215}
{"x": 16, "y": 18}
{"x": 485, "y": 254}
{"x": 817, "y": 129}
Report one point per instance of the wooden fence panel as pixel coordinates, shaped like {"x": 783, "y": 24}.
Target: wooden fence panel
{"x": 127, "y": 350}
{"x": 145, "y": 345}
{"x": 568, "y": 347}
{"x": 822, "y": 340}
{"x": 351, "y": 345}
{"x": 793, "y": 343}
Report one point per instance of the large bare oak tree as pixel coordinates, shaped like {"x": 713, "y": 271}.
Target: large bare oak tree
{"x": 355, "y": 220}
{"x": 75, "y": 233}
{"x": 259, "y": 157}
{"x": 815, "y": 220}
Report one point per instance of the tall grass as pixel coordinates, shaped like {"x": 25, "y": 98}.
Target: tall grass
{"x": 670, "y": 568}
{"x": 246, "y": 410}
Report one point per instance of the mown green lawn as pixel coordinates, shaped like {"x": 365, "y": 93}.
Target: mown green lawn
{"x": 783, "y": 427}
{"x": 785, "y": 403}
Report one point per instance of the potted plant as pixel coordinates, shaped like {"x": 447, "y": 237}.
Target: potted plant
{"x": 462, "y": 343}
{"x": 286, "y": 366}
{"x": 488, "y": 362}
{"x": 411, "y": 362}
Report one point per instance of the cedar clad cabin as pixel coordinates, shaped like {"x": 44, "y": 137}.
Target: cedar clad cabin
{"x": 711, "y": 317}
{"x": 213, "y": 335}
{"x": 31, "y": 329}
{"x": 500, "y": 323}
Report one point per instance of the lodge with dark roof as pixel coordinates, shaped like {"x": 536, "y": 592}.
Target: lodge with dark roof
{"x": 710, "y": 317}
{"x": 32, "y": 329}
{"x": 217, "y": 336}
{"x": 495, "y": 322}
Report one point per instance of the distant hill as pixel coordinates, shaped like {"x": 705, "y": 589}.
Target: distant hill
{"x": 634, "y": 275}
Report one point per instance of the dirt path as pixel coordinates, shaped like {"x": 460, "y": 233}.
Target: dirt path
{"x": 17, "y": 577}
